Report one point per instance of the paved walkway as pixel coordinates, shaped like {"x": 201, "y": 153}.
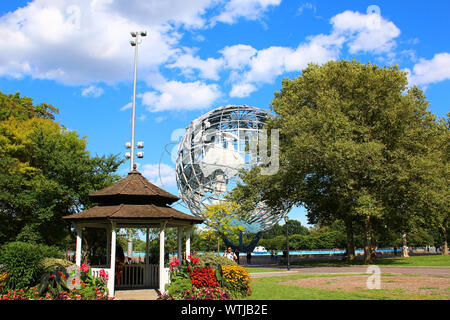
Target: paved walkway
{"x": 142, "y": 294}
{"x": 435, "y": 271}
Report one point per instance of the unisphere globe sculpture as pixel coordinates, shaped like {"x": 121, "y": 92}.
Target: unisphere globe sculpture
{"x": 214, "y": 148}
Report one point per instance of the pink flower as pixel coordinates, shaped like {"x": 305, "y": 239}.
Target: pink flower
{"x": 102, "y": 273}
{"x": 84, "y": 268}
{"x": 175, "y": 262}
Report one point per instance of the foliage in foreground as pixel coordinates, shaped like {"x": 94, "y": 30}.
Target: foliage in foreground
{"x": 22, "y": 262}
{"x": 61, "y": 284}
{"x": 196, "y": 280}
{"x": 46, "y": 172}
{"x": 358, "y": 145}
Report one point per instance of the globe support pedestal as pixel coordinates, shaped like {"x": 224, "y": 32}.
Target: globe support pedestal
{"x": 241, "y": 247}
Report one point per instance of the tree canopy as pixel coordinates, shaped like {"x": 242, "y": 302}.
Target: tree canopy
{"x": 356, "y": 145}
{"x": 45, "y": 172}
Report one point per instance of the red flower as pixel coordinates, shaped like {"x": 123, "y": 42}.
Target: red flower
{"x": 203, "y": 277}
{"x": 175, "y": 263}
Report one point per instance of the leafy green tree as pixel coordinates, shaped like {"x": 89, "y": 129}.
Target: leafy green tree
{"x": 45, "y": 172}
{"x": 352, "y": 138}
{"x": 223, "y": 219}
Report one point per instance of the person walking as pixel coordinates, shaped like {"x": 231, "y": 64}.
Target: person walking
{"x": 249, "y": 257}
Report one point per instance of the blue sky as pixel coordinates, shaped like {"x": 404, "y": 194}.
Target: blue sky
{"x": 199, "y": 55}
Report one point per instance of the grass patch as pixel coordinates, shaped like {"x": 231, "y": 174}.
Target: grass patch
{"x": 270, "y": 289}
{"x": 426, "y": 261}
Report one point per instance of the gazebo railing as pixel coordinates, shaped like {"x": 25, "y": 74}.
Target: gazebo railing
{"x": 96, "y": 271}
{"x": 136, "y": 275}
{"x": 140, "y": 275}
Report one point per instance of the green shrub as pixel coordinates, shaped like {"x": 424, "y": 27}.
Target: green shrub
{"x": 88, "y": 293}
{"x": 51, "y": 251}
{"x": 21, "y": 260}
{"x": 50, "y": 264}
{"x": 179, "y": 286}
{"x": 212, "y": 260}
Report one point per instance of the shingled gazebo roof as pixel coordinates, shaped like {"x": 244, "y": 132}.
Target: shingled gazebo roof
{"x": 133, "y": 189}
{"x": 132, "y": 198}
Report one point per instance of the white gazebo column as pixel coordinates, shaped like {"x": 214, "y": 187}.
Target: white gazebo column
{"x": 179, "y": 235}
{"x": 112, "y": 266}
{"x": 79, "y": 243}
{"x": 146, "y": 246}
{"x": 147, "y": 279}
{"x": 108, "y": 244}
{"x": 188, "y": 241}
{"x": 162, "y": 280}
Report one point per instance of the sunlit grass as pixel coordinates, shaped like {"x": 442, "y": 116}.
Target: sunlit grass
{"x": 270, "y": 288}
{"x": 417, "y": 261}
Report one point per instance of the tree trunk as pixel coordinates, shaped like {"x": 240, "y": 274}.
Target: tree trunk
{"x": 350, "y": 241}
{"x": 367, "y": 251}
{"x": 373, "y": 248}
{"x": 218, "y": 244}
{"x": 445, "y": 246}
{"x": 405, "y": 252}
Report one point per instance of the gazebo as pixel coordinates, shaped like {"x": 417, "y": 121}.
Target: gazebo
{"x": 134, "y": 202}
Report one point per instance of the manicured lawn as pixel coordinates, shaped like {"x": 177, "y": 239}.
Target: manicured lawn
{"x": 429, "y": 261}
{"x": 272, "y": 289}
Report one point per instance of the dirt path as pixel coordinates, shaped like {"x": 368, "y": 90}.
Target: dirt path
{"x": 424, "y": 285}
{"x": 433, "y": 271}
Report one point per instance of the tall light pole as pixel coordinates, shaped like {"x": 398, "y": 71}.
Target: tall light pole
{"x": 286, "y": 219}
{"x": 134, "y": 43}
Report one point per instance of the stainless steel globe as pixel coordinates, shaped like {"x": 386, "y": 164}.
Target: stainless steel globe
{"x": 213, "y": 149}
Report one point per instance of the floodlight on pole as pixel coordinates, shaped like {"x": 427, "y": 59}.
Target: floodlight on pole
{"x": 135, "y": 43}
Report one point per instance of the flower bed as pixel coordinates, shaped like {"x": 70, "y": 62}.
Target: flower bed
{"x": 189, "y": 281}
{"x": 203, "y": 277}
{"x": 61, "y": 284}
{"x": 237, "y": 280}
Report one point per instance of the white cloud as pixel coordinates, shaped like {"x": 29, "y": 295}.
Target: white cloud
{"x": 238, "y": 56}
{"x": 366, "y": 32}
{"x": 92, "y": 91}
{"x": 247, "y": 9}
{"x": 241, "y": 90}
{"x": 361, "y": 32}
{"x": 129, "y": 105}
{"x": 160, "y": 119}
{"x": 161, "y": 175}
{"x": 176, "y": 95}
{"x": 178, "y": 12}
{"x": 83, "y": 41}
{"x": 267, "y": 64}
{"x": 431, "y": 71}
{"x": 208, "y": 68}
{"x": 308, "y": 6}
